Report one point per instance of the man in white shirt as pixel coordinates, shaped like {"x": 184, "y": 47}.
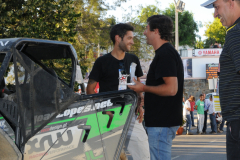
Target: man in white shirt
{"x": 212, "y": 116}
{"x": 186, "y": 113}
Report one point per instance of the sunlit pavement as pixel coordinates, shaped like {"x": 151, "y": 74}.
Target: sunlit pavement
{"x": 200, "y": 147}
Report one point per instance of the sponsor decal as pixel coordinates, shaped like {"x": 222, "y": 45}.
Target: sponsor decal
{"x": 200, "y": 52}
{"x": 40, "y": 143}
{"x": 59, "y": 141}
{"x": 52, "y": 128}
{"x": 73, "y": 111}
{"x": 40, "y": 118}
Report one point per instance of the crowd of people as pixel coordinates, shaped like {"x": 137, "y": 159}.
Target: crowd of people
{"x": 204, "y": 107}
{"x": 216, "y": 45}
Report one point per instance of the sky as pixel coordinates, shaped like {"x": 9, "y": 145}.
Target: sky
{"x": 200, "y": 13}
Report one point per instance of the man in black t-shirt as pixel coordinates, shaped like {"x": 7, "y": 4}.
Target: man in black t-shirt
{"x": 111, "y": 71}
{"x": 163, "y": 89}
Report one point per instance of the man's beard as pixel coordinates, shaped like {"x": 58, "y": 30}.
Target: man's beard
{"x": 123, "y": 47}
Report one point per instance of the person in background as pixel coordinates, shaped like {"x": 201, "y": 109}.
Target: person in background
{"x": 200, "y": 110}
{"x": 186, "y": 113}
{"x": 212, "y": 116}
{"x": 216, "y": 45}
{"x": 192, "y": 110}
{"x": 183, "y": 101}
{"x": 205, "y": 115}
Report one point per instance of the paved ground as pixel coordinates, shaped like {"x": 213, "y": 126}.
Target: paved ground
{"x": 198, "y": 147}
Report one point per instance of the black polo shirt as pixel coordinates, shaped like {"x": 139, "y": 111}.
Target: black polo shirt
{"x": 229, "y": 79}
{"x": 164, "y": 111}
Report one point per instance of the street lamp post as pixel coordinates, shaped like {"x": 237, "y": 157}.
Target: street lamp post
{"x": 179, "y": 7}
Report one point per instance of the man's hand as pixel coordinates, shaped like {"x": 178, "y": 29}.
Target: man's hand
{"x": 196, "y": 107}
{"x": 213, "y": 114}
{"x": 138, "y": 87}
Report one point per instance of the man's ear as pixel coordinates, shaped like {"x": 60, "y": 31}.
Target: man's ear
{"x": 118, "y": 39}
{"x": 156, "y": 31}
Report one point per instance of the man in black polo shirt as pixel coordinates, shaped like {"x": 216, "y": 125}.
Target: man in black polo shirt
{"x": 228, "y": 11}
{"x": 163, "y": 89}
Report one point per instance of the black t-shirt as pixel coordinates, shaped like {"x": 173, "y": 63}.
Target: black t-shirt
{"x": 164, "y": 111}
{"x": 106, "y": 71}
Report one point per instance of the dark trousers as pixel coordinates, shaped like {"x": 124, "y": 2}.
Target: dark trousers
{"x": 205, "y": 122}
{"x": 222, "y": 124}
{"x": 233, "y": 140}
{"x": 192, "y": 117}
{"x": 213, "y": 122}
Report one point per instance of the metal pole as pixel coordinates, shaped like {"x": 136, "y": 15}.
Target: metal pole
{"x": 176, "y": 28}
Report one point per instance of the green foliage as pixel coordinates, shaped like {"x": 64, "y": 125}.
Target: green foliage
{"x": 46, "y": 19}
{"x": 187, "y": 27}
{"x": 93, "y": 29}
{"x": 199, "y": 44}
{"x": 208, "y": 42}
{"x": 215, "y": 30}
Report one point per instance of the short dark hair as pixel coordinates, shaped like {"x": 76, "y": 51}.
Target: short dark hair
{"x": 201, "y": 95}
{"x": 121, "y": 30}
{"x": 210, "y": 96}
{"x": 164, "y": 24}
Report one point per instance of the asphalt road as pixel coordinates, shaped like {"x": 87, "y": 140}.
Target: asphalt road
{"x": 198, "y": 147}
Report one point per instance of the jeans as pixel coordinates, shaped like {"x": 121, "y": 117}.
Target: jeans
{"x": 213, "y": 122}
{"x": 192, "y": 117}
{"x": 205, "y": 122}
{"x": 233, "y": 140}
{"x": 222, "y": 124}
{"x": 189, "y": 123}
{"x": 160, "y": 141}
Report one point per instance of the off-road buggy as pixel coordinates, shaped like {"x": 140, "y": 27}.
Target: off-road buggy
{"x": 41, "y": 117}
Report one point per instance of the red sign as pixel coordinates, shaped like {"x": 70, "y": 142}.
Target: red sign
{"x": 208, "y": 52}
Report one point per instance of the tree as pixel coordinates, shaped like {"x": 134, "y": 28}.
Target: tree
{"x": 46, "y": 19}
{"x": 199, "y": 44}
{"x": 215, "y": 30}
{"x": 187, "y": 27}
{"x": 93, "y": 29}
{"x": 208, "y": 42}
